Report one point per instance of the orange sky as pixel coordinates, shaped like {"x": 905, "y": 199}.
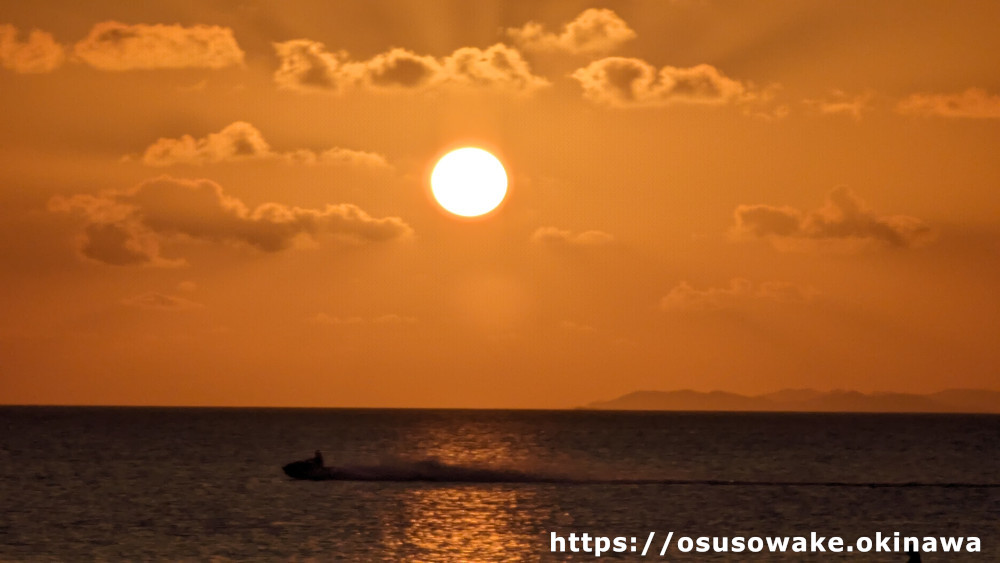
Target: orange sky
{"x": 205, "y": 203}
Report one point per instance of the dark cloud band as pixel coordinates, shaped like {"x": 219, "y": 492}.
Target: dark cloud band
{"x": 129, "y": 227}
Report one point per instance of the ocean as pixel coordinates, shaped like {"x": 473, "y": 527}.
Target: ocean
{"x": 205, "y": 484}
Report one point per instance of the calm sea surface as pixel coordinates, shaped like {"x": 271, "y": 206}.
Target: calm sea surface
{"x": 206, "y": 484}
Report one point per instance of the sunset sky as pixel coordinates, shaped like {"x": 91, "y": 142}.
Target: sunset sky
{"x": 228, "y": 203}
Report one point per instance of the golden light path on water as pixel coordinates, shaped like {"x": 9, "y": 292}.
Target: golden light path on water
{"x": 469, "y": 522}
{"x": 465, "y": 523}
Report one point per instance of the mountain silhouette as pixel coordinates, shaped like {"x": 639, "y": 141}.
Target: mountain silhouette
{"x": 807, "y": 400}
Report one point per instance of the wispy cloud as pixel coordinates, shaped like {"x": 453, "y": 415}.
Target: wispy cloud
{"x": 595, "y": 30}
{"x": 308, "y": 66}
{"x": 556, "y": 236}
{"x": 241, "y": 141}
{"x": 116, "y": 46}
{"x": 129, "y": 227}
{"x": 843, "y": 223}
{"x": 841, "y": 103}
{"x": 38, "y": 53}
{"x": 684, "y": 297}
{"x": 974, "y": 103}
{"x": 629, "y": 82}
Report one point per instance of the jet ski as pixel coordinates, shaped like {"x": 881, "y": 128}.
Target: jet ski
{"x": 311, "y": 469}
{"x": 308, "y": 470}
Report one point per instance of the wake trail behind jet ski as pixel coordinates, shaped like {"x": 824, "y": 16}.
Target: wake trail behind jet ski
{"x": 435, "y": 471}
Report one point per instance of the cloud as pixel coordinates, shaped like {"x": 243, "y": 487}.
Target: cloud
{"x": 785, "y": 292}
{"x": 242, "y": 141}
{"x": 556, "y": 236}
{"x": 160, "y": 301}
{"x": 593, "y": 31}
{"x": 390, "y": 319}
{"x": 119, "y": 244}
{"x": 627, "y": 82}
{"x": 684, "y": 297}
{"x": 307, "y": 66}
{"x": 115, "y": 46}
{"x": 974, "y": 103}
{"x": 129, "y": 227}
{"x": 843, "y": 223}
{"x": 841, "y": 103}
{"x": 38, "y": 54}
{"x": 337, "y": 156}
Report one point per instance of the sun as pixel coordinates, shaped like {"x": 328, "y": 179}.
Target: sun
{"x": 469, "y": 182}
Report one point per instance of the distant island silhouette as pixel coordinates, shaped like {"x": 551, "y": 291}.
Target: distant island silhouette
{"x": 807, "y": 400}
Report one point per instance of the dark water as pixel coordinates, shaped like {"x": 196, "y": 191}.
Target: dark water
{"x": 206, "y": 484}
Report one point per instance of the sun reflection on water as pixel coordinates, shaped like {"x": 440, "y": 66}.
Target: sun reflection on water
{"x": 465, "y": 523}
{"x": 469, "y": 522}
{"x": 473, "y": 443}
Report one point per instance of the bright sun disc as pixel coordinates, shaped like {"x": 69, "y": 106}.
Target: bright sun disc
{"x": 469, "y": 182}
